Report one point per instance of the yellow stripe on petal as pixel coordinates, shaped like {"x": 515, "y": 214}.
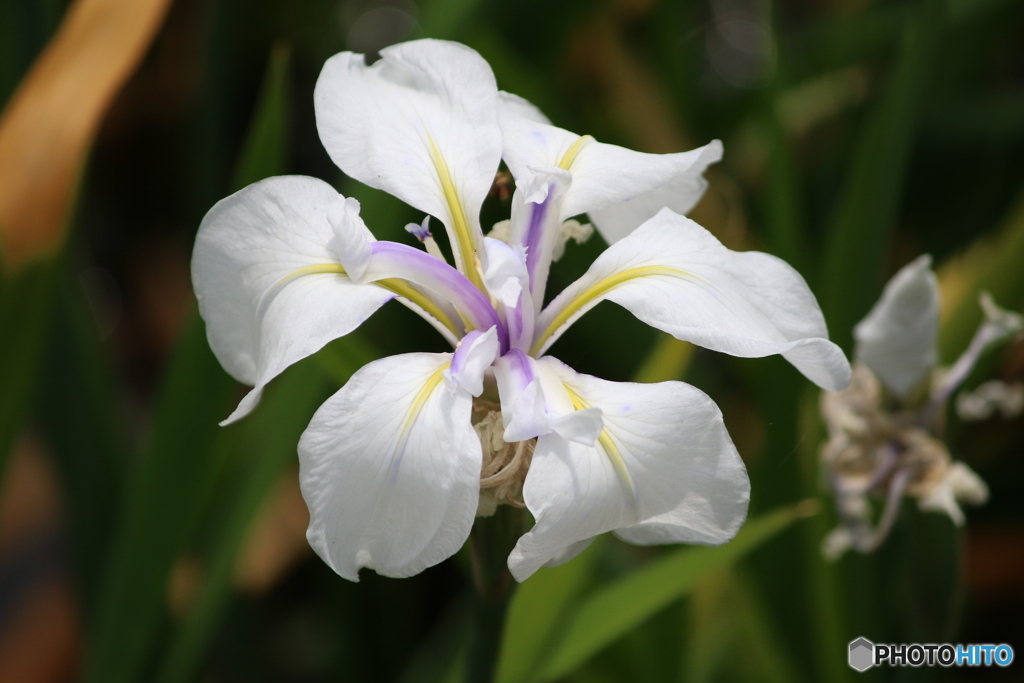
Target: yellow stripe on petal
{"x": 607, "y": 444}
{"x": 399, "y": 287}
{"x": 421, "y": 398}
{"x": 418, "y": 402}
{"x": 464, "y": 247}
{"x": 573, "y": 152}
{"x": 599, "y": 289}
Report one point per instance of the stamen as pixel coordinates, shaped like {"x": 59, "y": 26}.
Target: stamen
{"x": 504, "y": 465}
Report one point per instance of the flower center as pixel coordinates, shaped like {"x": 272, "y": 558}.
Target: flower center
{"x": 504, "y": 465}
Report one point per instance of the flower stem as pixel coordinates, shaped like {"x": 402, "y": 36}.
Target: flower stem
{"x": 490, "y": 543}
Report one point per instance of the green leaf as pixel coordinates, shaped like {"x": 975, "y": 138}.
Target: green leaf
{"x": 26, "y": 300}
{"x": 79, "y": 415}
{"x": 187, "y": 452}
{"x": 267, "y": 443}
{"x": 537, "y": 609}
{"x": 165, "y": 494}
{"x": 615, "y": 610}
{"x": 859, "y": 234}
{"x": 444, "y": 18}
{"x": 266, "y": 142}
{"x": 727, "y": 616}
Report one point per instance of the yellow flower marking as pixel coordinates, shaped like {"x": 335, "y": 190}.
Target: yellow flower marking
{"x": 464, "y": 247}
{"x": 399, "y": 287}
{"x": 599, "y": 289}
{"x": 573, "y": 152}
{"x": 606, "y": 443}
{"x": 421, "y": 397}
{"x": 420, "y": 400}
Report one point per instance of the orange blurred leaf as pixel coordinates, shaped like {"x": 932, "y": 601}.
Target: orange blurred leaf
{"x": 49, "y": 125}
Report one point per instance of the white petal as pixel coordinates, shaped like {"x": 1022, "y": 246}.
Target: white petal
{"x": 664, "y": 471}
{"x": 390, "y": 469}
{"x": 569, "y": 553}
{"x": 420, "y": 123}
{"x": 475, "y": 353}
{"x": 897, "y": 339}
{"x": 675, "y": 276}
{"x": 680, "y": 194}
{"x": 506, "y": 275}
{"x": 534, "y": 402}
{"x": 260, "y": 316}
{"x": 603, "y": 175}
{"x": 352, "y": 242}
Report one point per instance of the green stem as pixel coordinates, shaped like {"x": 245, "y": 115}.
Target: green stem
{"x": 490, "y": 543}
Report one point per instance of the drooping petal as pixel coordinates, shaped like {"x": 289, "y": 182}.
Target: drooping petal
{"x": 420, "y": 123}
{"x": 390, "y": 469}
{"x": 674, "y": 275}
{"x": 603, "y": 175}
{"x": 270, "y": 287}
{"x": 663, "y": 470}
{"x": 475, "y": 353}
{"x": 534, "y": 402}
{"x": 897, "y": 338}
{"x": 680, "y": 194}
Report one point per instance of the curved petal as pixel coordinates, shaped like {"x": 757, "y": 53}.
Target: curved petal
{"x": 680, "y": 194}
{"x": 390, "y": 469}
{"x": 603, "y": 175}
{"x": 475, "y": 353}
{"x": 420, "y": 123}
{"x": 664, "y": 470}
{"x": 675, "y": 276}
{"x": 260, "y": 318}
{"x": 897, "y": 338}
{"x": 536, "y": 221}
{"x": 534, "y": 402}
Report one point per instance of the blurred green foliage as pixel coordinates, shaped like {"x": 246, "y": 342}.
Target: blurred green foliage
{"x": 858, "y": 134}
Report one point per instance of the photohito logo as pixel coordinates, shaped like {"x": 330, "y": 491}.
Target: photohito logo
{"x": 864, "y": 654}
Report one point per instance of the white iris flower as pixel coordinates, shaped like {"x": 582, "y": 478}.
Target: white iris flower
{"x": 885, "y": 429}
{"x": 391, "y": 465}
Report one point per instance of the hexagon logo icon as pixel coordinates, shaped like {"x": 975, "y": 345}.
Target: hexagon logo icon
{"x": 862, "y": 654}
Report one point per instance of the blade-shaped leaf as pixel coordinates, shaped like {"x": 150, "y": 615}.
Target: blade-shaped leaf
{"x": 79, "y": 415}
{"x": 266, "y": 443}
{"x": 181, "y": 468}
{"x": 616, "y": 609}
{"x": 165, "y": 493}
{"x": 867, "y": 210}
{"x": 48, "y": 127}
{"x": 25, "y": 308}
{"x": 537, "y": 609}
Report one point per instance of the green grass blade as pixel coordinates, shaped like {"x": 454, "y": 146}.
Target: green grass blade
{"x": 267, "y": 444}
{"x": 618, "y": 608}
{"x": 165, "y": 494}
{"x": 181, "y": 468}
{"x": 537, "y": 609}
{"x": 26, "y": 302}
{"x": 867, "y": 210}
{"x": 79, "y": 416}
{"x": 266, "y": 142}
